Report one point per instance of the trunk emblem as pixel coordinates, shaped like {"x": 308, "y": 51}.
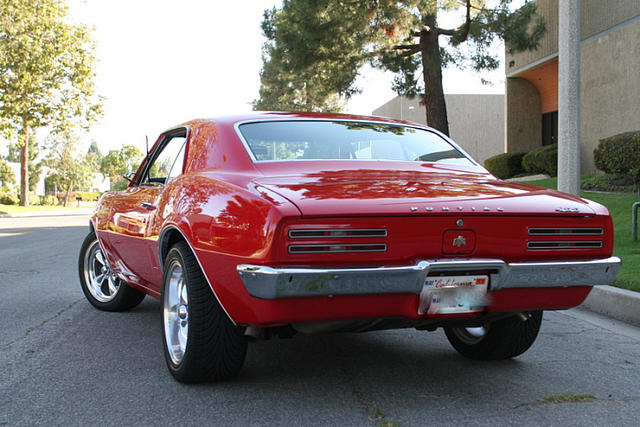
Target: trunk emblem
{"x": 460, "y": 222}
{"x": 459, "y": 242}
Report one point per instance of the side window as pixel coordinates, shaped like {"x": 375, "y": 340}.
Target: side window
{"x": 168, "y": 163}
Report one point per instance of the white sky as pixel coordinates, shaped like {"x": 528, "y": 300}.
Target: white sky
{"x": 163, "y": 62}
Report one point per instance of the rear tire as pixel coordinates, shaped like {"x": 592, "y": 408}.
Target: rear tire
{"x": 502, "y": 339}
{"x": 200, "y": 342}
{"x": 100, "y": 285}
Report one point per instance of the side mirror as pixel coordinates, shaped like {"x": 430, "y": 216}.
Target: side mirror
{"x": 130, "y": 176}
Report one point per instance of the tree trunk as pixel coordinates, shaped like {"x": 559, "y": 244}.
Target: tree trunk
{"x": 432, "y": 73}
{"x": 66, "y": 196}
{"x": 24, "y": 168}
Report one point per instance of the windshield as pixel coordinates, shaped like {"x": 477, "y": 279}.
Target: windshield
{"x": 335, "y": 140}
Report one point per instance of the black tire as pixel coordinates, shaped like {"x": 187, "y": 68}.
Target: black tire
{"x": 99, "y": 284}
{"x": 502, "y": 339}
{"x": 200, "y": 342}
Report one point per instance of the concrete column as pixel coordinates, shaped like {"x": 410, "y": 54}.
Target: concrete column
{"x": 569, "y": 96}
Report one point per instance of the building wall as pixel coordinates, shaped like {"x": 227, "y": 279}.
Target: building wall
{"x": 610, "y": 88}
{"x": 596, "y": 16}
{"x": 476, "y": 122}
{"x": 523, "y": 118}
{"x": 610, "y": 65}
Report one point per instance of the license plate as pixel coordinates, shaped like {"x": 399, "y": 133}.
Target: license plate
{"x": 453, "y": 294}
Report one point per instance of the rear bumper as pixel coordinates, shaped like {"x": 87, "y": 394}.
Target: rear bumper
{"x": 274, "y": 283}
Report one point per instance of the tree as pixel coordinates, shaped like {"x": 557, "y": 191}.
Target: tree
{"x": 322, "y": 44}
{"x": 70, "y": 171}
{"x": 118, "y": 162}
{"x": 7, "y": 177}
{"x": 46, "y": 74}
{"x": 94, "y": 156}
{"x": 34, "y": 168}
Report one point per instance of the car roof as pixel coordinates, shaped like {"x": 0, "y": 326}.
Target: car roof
{"x": 289, "y": 115}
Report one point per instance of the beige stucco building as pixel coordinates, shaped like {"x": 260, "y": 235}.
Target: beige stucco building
{"x": 476, "y": 122}
{"x": 610, "y": 79}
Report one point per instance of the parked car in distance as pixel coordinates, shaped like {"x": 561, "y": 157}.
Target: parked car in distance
{"x": 269, "y": 224}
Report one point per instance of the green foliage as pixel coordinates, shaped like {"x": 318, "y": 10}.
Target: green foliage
{"x": 89, "y": 196}
{"x": 619, "y": 154}
{"x": 316, "y": 48}
{"x": 8, "y": 198}
{"x": 46, "y": 71}
{"x": 542, "y": 160}
{"x": 505, "y": 165}
{"x": 48, "y": 200}
{"x": 7, "y": 177}
{"x": 33, "y": 152}
{"x": 617, "y": 182}
{"x": 94, "y": 156}
{"x": 70, "y": 171}
{"x": 118, "y": 162}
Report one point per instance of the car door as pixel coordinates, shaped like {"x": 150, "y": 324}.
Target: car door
{"x": 133, "y": 240}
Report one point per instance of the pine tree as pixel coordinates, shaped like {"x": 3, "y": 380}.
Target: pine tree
{"x": 316, "y": 48}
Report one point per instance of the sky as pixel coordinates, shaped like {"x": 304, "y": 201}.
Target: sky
{"x": 164, "y": 62}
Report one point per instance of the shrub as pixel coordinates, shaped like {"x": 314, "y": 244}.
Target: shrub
{"x": 48, "y": 200}
{"x": 542, "y": 160}
{"x": 91, "y": 196}
{"x": 619, "y": 154}
{"x": 8, "y": 199}
{"x": 505, "y": 165}
{"x": 34, "y": 199}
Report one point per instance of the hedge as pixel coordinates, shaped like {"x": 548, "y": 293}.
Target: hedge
{"x": 619, "y": 153}
{"x": 505, "y": 165}
{"x": 542, "y": 160}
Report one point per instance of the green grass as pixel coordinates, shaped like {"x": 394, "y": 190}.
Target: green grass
{"x": 568, "y": 397}
{"x": 11, "y": 209}
{"x": 619, "y": 205}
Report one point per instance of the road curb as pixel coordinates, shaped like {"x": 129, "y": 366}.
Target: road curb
{"x": 619, "y": 304}
{"x": 74, "y": 212}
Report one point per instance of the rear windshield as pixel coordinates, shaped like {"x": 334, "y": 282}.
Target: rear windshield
{"x": 342, "y": 140}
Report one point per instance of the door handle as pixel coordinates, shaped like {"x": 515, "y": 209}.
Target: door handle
{"x": 148, "y": 206}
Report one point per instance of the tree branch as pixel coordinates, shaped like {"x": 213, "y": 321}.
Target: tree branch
{"x": 407, "y": 47}
{"x": 463, "y": 31}
{"x": 411, "y": 52}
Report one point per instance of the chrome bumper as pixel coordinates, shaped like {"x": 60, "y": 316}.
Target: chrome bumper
{"x": 272, "y": 283}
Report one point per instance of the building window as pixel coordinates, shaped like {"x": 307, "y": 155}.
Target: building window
{"x": 550, "y": 128}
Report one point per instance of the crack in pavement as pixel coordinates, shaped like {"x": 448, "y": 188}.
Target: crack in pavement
{"x": 44, "y": 322}
{"x": 595, "y": 400}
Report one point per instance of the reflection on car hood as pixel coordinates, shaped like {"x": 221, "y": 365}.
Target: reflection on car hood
{"x": 385, "y": 192}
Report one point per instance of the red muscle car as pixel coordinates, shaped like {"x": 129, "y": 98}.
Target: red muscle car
{"x": 270, "y": 224}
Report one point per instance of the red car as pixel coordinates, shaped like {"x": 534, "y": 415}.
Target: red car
{"x": 275, "y": 223}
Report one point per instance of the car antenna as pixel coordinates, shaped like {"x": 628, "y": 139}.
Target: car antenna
{"x": 146, "y": 138}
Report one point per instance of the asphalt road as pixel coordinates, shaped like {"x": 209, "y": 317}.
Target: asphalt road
{"x": 66, "y": 363}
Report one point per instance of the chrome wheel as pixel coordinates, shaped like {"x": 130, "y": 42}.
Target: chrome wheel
{"x": 176, "y": 312}
{"x": 471, "y": 336}
{"x": 101, "y": 281}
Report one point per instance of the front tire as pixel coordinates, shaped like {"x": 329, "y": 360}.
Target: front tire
{"x": 502, "y": 339}
{"x": 100, "y": 285}
{"x": 200, "y": 342}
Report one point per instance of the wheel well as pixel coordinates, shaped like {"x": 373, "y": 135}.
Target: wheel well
{"x": 168, "y": 238}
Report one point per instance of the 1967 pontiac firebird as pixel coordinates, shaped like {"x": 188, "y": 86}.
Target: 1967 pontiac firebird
{"x": 274, "y": 223}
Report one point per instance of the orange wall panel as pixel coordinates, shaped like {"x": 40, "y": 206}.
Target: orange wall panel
{"x": 545, "y": 79}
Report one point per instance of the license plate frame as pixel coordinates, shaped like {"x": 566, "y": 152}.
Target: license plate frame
{"x": 457, "y": 294}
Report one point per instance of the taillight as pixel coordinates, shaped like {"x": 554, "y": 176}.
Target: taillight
{"x": 336, "y": 240}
